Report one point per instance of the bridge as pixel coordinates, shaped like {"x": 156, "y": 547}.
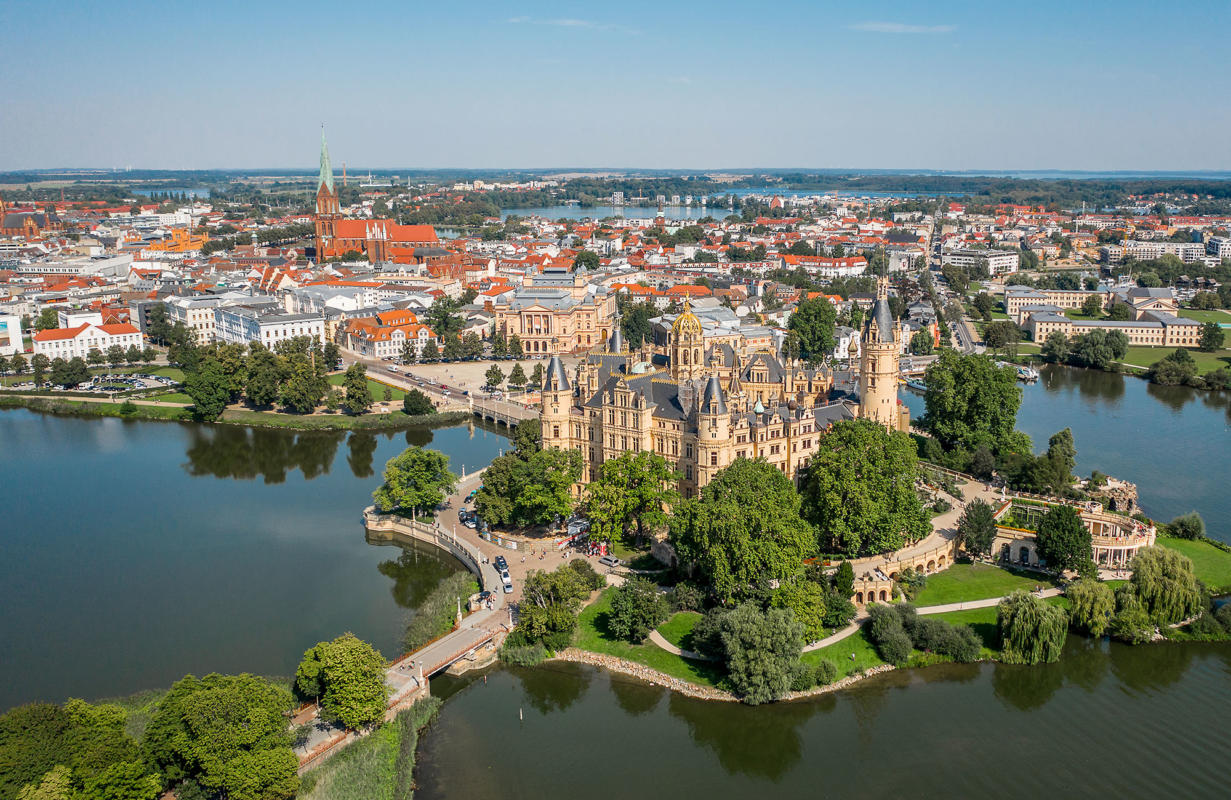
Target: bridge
{"x": 407, "y": 676}
{"x": 501, "y": 411}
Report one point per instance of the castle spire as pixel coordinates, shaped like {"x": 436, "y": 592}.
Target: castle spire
{"x": 326, "y": 176}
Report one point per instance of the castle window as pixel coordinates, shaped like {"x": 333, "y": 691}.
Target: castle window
{"x": 688, "y": 451}
{"x": 555, "y": 431}
{"x": 713, "y": 459}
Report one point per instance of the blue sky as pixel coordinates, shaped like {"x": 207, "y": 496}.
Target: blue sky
{"x": 945, "y": 85}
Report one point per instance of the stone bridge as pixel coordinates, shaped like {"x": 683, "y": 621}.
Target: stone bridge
{"x": 501, "y": 411}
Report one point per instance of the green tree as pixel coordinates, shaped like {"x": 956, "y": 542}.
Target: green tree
{"x": 632, "y": 493}
{"x": 431, "y": 353}
{"x": 228, "y": 733}
{"x": 1097, "y": 349}
{"x": 806, "y": 600}
{"x": 517, "y": 377}
{"x": 472, "y": 346}
{"x": 264, "y": 376}
{"x": 635, "y": 322}
{"x": 1164, "y": 582}
{"x": 332, "y": 355}
{"x": 985, "y": 304}
{"x": 1175, "y": 369}
{"x": 1186, "y": 526}
{"x": 358, "y": 393}
{"x": 95, "y": 357}
{"x": 17, "y": 364}
{"x": 132, "y": 355}
{"x": 1063, "y": 540}
{"x": 550, "y": 602}
{"x": 347, "y": 676}
{"x": 970, "y": 402}
{"x": 760, "y": 648}
{"x": 921, "y": 342}
{"x": 500, "y": 345}
{"x": 844, "y": 579}
{"x": 859, "y": 490}
{"x": 302, "y": 388}
{"x": 637, "y": 607}
{"x": 1092, "y": 605}
{"x": 976, "y": 528}
{"x": 415, "y": 404}
{"x": 48, "y": 320}
{"x": 493, "y": 377}
{"x": 115, "y": 355}
{"x": 813, "y": 322}
{"x": 744, "y": 532}
{"x": 1002, "y": 335}
{"x": 586, "y": 258}
{"x": 1212, "y": 337}
{"x": 57, "y": 784}
{"x": 1032, "y": 630}
{"x": 1092, "y": 306}
{"x": 515, "y": 348}
{"x": 207, "y": 387}
{"x": 1056, "y": 347}
{"x": 527, "y": 438}
{"x": 39, "y": 365}
{"x": 410, "y": 353}
{"x": 536, "y": 377}
{"x": 417, "y": 480}
{"x": 453, "y": 350}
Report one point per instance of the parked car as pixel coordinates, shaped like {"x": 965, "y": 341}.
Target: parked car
{"x": 502, "y": 564}
{"x": 609, "y": 561}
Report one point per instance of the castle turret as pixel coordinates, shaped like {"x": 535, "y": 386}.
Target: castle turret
{"x": 880, "y": 344}
{"x": 556, "y": 399}
{"x": 713, "y": 432}
{"x": 687, "y": 343}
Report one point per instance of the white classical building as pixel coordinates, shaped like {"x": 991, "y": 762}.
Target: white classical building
{"x": 241, "y": 324}
{"x": 78, "y": 341}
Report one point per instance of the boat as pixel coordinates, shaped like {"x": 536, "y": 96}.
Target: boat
{"x": 917, "y": 385}
{"x": 1024, "y": 373}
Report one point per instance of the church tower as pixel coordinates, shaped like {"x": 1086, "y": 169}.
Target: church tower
{"x": 880, "y": 344}
{"x": 687, "y": 345}
{"x": 328, "y": 209}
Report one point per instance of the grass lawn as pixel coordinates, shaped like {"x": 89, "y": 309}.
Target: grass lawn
{"x": 592, "y": 635}
{"x": 962, "y": 582}
{"x": 678, "y": 629}
{"x": 1211, "y": 565}
{"x": 374, "y": 386}
{"x": 171, "y": 397}
{"x": 1206, "y": 362}
{"x": 1206, "y": 315}
{"x": 840, "y": 653}
{"x": 1076, "y": 313}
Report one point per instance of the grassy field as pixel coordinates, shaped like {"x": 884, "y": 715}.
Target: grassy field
{"x": 1206, "y": 362}
{"x": 393, "y": 420}
{"x": 963, "y": 582}
{"x": 171, "y": 397}
{"x": 592, "y": 635}
{"x": 1206, "y": 315}
{"x": 66, "y": 407}
{"x": 1211, "y": 565}
{"x": 840, "y": 653}
{"x": 678, "y": 629}
{"x": 375, "y": 387}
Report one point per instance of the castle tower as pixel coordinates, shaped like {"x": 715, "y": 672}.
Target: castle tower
{"x": 713, "y": 432}
{"x": 687, "y": 345}
{"x": 554, "y": 405}
{"x": 878, "y": 363}
{"x": 328, "y": 209}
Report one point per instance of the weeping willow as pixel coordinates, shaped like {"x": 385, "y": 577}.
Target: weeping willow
{"x": 1166, "y": 585}
{"x": 1031, "y": 630}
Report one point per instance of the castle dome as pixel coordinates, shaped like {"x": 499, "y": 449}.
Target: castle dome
{"x": 686, "y": 324}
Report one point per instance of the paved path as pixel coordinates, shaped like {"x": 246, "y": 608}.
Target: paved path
{"x": 100, "y": 399}
{"x": 657, "y": 638}
{"x": 986, "y": 602}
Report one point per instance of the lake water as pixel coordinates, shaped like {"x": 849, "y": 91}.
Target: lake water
{"x": 1106, "y": 721}
{"x": 136, "y": 552}
{"x": 1173, "y": 442}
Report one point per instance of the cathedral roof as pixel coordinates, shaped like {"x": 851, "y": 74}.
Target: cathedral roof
{"x": 712, "y": 402}
{"x": 616, "y": 343}
{"x": 326, "y": 176}
{"x": 686, "y": 324}
{"x": 882, "y": 318}
{"x": 555, "y": 374}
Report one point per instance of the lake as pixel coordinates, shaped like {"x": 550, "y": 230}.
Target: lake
{"x": 136, "y": 552}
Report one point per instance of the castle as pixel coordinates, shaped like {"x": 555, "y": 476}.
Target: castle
{"x": 703, "y": 407}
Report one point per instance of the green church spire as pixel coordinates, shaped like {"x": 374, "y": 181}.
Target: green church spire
{"x": 326, "y": 178}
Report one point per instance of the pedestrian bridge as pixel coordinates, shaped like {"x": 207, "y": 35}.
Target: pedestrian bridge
{"x": 501, "y": 411}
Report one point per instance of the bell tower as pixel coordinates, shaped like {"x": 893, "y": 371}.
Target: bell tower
{"x": 687, "y": 345}
{"x": 328, "y": 209}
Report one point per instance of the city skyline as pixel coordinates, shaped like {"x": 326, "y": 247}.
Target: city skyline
{"x": 950, "y": 86}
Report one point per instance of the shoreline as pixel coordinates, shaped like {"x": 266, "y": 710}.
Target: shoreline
{"x": 372, "y": 423}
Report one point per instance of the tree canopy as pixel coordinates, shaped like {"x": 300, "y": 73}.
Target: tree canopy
{"x": 1032, "y": 630}
{"x": 418, "y": 480}
{"x": 1064, "y": 540}
{"x": 744, "y": 531}
{"x": 976, "y": 528}
{"x": 347, "y": 676}
{"x": 970, "y": 401}
{"x": 630, "y": 494}
{"x": 859, "y": 492}
{"x": 529, "y": 489}
{"x": 813, "y": 323}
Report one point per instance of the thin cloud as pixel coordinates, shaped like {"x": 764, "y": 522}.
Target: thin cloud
{"x": 899, "y": 27}
{"x": 570, "y": 22}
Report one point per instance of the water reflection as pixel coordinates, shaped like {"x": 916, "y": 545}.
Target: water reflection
{"x": 761, "y": 741}
{"x": 362, "y": 448}
{"x": 1174, "y": 397}
{"x": 416, "y": 571}
{"x": 1148, "y": 668}
{"x": 636, "y": 698}
{"x": 1091, "y": 384}
{"x": 227, "y": 451}
{"x": 554, "y": 687}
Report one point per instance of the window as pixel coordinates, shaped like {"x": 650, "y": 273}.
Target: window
{"x": 713, "y": 459}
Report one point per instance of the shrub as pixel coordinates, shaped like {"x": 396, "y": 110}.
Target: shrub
{"x": 1223, "y": 615}
{"x": 964, "y": 644}
{"x": 1187, "y": 526}
{"x": 839, "y": 610}
{"x": 1093, "y": 604}
{"x": 1031, "y": 630}
{"x": 707, "y": 633}
{"x": 826, "y": 672}
{"x": 1207, "y": 626}
{"x": 931, "y": 635}
{"x": 883, "y": 621}
{"x": 1132, "y": 625}
{"x": 894, "y": 647}
{"x": 911, "y": 582}
{"x": 523, "y": 655}
{"x": 941, "y": 505}
{"x": 1165, "y": 585}
{"x": 687, "y": 597}
{"x": 637, "y": 607}
{"x": 803, "y": 677}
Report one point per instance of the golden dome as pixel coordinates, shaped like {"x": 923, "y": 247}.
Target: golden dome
{"x": 686, "y": 324}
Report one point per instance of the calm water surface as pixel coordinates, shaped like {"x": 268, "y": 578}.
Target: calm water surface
{"x": 136, "y": 552}
{"x": 1103, "y": 722}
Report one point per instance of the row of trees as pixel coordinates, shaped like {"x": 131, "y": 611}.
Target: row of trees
{"x": 72, "y": 371}
{"x": 516, "y": 379}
